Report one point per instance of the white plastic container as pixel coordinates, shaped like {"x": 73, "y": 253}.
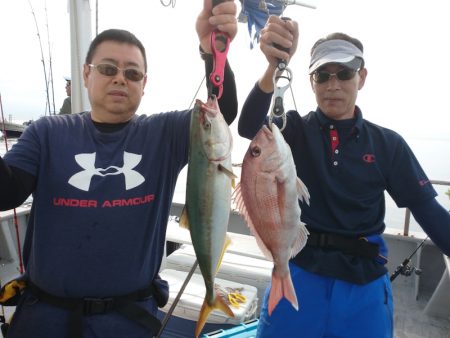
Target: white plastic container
{"x": 235, "y": 267}
{"x": 184, "y": 317}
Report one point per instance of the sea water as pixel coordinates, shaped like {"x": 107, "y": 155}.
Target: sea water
{"x": 433, "y": 155}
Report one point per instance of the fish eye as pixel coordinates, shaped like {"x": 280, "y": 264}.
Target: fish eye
{"x": 207, "y": 125}
{"x": 255, "y": 151}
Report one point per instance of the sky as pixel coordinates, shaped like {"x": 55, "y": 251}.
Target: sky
{"x": 406, "y": 46}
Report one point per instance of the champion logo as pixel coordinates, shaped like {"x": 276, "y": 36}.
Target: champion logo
{"x": 82, "y": 179}
{"x": 369, "y": 158}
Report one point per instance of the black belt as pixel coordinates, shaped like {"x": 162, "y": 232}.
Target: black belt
{"x": 123, "y": 305}
{"x": 347, "y": 245}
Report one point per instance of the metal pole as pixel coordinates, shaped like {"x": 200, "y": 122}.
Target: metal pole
{"x": 176, "y": 300}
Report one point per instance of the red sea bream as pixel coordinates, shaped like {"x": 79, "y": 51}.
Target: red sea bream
{"x": 268, "y": 197}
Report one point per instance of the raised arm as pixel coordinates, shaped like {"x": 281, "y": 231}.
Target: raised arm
{"x": 279, "y": 32}
{"x": 221, "y": 17}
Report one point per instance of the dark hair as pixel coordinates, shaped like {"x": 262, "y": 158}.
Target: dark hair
{"x": 118, "y": 35}
{"x": 340, "y": 36}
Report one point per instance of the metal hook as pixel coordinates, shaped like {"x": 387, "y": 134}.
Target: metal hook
{"x": 278, "y": 95}
{"x": 220, "y": 43}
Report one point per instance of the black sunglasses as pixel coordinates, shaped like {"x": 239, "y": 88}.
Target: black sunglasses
{"x": 108, "y": 69}
{"x": 345, "y": 74}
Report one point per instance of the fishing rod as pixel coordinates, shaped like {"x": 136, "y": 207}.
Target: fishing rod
{"x": 263, "y": 4}
{"x": 296, "y": 2}
{"x": 177, "y": 299}
{"x": 42, "y": 57}
{"x": 3, "y": 123}
{"x": 404, "y": 268}
{"x": 50, "y": 62}
{"x": 3, "y": 324}
{"x": 96, "y": 17}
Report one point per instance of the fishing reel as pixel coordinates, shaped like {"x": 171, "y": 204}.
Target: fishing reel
{"x": 405, "y": 269}
{"x": 408, "y": 270}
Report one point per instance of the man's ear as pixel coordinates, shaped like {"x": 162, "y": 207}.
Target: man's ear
{"x": 362, "y": 77}
{"x": 86, "y": 70}
{"x": 311, "y": 81}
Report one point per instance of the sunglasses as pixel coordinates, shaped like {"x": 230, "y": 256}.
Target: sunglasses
{"x": 108, "y": 69}
{"x": 345, "y": 74}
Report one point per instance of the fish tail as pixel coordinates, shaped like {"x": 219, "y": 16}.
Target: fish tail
{"x": 219, "y": 304}
{"x": 282, "y": 287}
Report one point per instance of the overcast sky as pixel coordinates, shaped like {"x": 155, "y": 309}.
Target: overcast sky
{"x": 406, "y": 50}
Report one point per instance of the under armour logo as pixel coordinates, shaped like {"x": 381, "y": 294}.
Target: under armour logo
{"x": 82, "y": 180}
{"x": 369, "y": 158}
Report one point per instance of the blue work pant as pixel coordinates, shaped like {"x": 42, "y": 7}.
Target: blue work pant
{"x": 330, "y": 308}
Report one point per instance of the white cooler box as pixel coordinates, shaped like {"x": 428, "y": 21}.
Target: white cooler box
{"x": 184, "y": 318}
{"x": 237, "y": 268}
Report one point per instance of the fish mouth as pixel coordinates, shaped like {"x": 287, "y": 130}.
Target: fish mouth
{"x": 266, "y": 131}
{"x": 218, "y": 159}
{"x": 222, "y": 152}
{"x": 209, "y": 111}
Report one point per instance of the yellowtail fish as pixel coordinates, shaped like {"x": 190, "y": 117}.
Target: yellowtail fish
{"x": 208, "y": 197}
{"x": 267, "y": 197}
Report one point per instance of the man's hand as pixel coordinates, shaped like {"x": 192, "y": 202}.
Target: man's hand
{"x": 221, "y": 17}
{"x": 281, "y": 32}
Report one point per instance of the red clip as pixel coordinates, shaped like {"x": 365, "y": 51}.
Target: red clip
{"x": 220, "y": 43}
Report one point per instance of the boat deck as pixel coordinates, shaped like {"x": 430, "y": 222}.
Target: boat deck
{"x": 410, "y": 320}
{"x": 418, "y": 297}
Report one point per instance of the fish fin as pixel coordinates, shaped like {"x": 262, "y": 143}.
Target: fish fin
{"x": 228, "y": 241}
{"x": 236, "y": 198}
{"x": 238, "y": 201}
{"x": 302, "y": 191}
{"x": 206, "y": 309}
{"x": 184, "y": 219}
{"x": 282, "y": 287}
{"x": 300, "y": 241}
{"x": 226, "y": 171}
{"x": 240, "y": 205}
{"x": 224, "y": 249}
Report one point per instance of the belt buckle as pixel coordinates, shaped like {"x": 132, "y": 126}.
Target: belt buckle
{"x": 96, "y": 306}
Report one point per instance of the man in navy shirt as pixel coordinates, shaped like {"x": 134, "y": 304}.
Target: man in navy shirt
{"x": 102, "y": 184}
{"x": 347, "y": 163}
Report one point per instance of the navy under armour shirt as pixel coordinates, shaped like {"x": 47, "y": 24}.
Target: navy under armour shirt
{"x": 346, "y": 165}
{"x": 102, "y": 201}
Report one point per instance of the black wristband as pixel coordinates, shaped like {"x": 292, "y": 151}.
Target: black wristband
{"x": 205, "y": 56}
